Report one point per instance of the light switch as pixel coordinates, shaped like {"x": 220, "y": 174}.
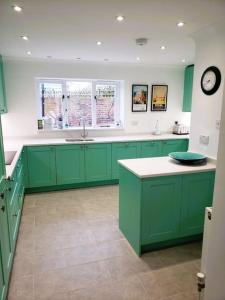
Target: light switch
{"x": 204, "y": 139}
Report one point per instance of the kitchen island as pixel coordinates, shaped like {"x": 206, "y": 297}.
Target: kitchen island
{"x": 161, "y": 202}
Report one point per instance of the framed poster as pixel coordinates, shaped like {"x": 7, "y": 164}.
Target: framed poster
{"x": 159, "y": 97}
{"x": 139, "y": 97}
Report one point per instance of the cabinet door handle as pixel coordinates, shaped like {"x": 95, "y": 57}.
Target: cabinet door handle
{"x": 2, "y": 195}
{"x": 3, "y": 208}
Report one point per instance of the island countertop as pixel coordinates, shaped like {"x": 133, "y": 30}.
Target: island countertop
{"x": 163, "y": 166}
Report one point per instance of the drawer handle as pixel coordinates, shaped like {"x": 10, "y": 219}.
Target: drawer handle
{"x": 14, "y": 215}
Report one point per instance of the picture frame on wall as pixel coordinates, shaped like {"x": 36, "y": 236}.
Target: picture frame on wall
{"x": 139, "y": 97}
{"x": 159, "y": 97}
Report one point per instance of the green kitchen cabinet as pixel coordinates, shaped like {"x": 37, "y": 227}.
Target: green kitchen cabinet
{"x": 188, "y": 87}
{"x": 173, "y": 146}
{"x": 197, "y": 195}
{"x": 2, "y": 159}
{"x": 161, "y": 207}
{"x": 41, "y": 166}
{"x": 70, "y": 164}
{"x": 4, "y": 235}
{"x": 150, "y": 149}
{"x": 123, "y": 150}
{"x": 97, "y": 162}
{"x": 163, "y": 211}
{"x": 3, "y": 107}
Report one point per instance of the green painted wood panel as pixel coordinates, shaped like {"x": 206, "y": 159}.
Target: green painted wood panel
{"x": 98, "y": 162}
{"x": 3, "y": 108}
{"x": 160, "y": 211}
{"x": 130, "y": 208}
{"x": 197, "y": 195}
{"x": 188, "y": 87}
{"x": 123, "y": 151}
{"x": 173, "y": 146}
{"x": 70, "y": 164}
{"x": 151, "y": 149}
{"x": 2, "y": 160}
{"x": 4, "y": 235}
{"x": 41, "y": 166}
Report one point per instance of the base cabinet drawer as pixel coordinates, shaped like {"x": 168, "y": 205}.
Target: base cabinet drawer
{"x": 151, "y": 149}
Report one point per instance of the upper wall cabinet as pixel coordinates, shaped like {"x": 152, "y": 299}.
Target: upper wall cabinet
{"x": 3, "y": 107}
{"x": 188, "y": 86}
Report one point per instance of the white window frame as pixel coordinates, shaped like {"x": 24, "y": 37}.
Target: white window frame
{"x": 118, "y": 108}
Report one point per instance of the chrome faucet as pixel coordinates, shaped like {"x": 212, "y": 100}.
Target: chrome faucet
{"x": 84, "y": 133}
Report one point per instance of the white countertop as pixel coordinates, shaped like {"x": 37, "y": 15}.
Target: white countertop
{"x": 163, "y": 166}
{"x": 17, "y": 143}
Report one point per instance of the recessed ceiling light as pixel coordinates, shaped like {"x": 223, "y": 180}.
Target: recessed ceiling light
{"x": 163, "y": 47}
{"x": 78, "y": 58}
{"x": 120, "y": 18}
{"x": 28, "y": 52}
{"x": 17, "y": 8}
{"x": 180, "y": 24}
{"x": 138, "y": 58}
{"x": 49, "y": 56}
{"x": 183, "y": 60}
{"x": 106, "y": 59}
{"x": 99, "y": 43}
{"x": 24, "y": 37}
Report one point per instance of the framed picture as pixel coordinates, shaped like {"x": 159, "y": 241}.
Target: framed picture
{"x": 159, "y": 97}
{"x": 139, "y": 97}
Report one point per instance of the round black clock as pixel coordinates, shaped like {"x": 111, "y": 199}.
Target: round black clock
{"x": 210, "y": 81}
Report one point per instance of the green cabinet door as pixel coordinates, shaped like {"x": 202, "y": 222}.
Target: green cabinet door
{"x": 197, "y": 195}
{"x": 123, "y": 151}
{"x": 188, "y": 87}
{"x": 41, "y": 166}
{"x": 151, "y": 149}
{"x": 3, "y": 108}
{"x": 4, "y": 235}
{"x": 2, "y": 159}
{"x": 98, "y": 162}
{"x": 161, "y": 204}
{"x": 69, "y": 164}
{"x": 173, "y": 146}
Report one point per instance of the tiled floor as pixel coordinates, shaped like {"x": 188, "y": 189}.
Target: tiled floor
{"x": 70, "y": 248}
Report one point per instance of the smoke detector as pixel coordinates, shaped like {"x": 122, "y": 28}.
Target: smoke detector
{"x": 141, "y": 41}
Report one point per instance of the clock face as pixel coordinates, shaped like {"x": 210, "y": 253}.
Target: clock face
{"x": 210, "y": 81}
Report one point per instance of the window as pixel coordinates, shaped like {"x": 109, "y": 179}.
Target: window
{"x": 65, "y": 103}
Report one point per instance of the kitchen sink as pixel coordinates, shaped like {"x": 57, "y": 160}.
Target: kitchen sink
{"x": 78, "y": 140}
{"x": 9, "y": 156}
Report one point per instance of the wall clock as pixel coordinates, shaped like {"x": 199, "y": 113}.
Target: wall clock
{"x": 210, "y": 81}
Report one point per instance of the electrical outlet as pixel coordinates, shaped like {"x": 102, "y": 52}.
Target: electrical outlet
{"x": 204, "y": 139}
{"x": 134, "y": 123}
{"x": 217, "y": 124}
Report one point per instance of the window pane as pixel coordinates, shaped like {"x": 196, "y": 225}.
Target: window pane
{"x": 51, "y": 100}
{"x": 105, "y": 104}
{"x": 79, "y": 103}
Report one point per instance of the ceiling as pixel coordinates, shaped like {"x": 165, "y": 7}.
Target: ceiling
{"x": 69, "y": 29}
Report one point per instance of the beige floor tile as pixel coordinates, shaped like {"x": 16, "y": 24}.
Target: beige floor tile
{"x": 70, "y": 248}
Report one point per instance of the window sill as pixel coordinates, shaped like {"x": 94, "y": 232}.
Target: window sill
{"x": 80, "y": 129}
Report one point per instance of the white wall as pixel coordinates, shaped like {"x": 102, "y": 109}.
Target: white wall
{"x": 210, "y": 49}
{"x": 22, "y": 103}
{"x": 215, "y": 267}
